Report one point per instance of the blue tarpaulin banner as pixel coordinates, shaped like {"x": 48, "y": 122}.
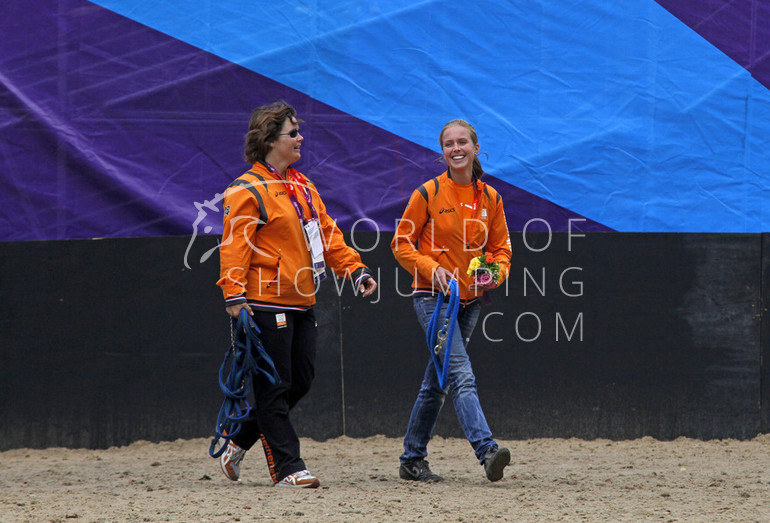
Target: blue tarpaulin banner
{"x": 124, "y": 118}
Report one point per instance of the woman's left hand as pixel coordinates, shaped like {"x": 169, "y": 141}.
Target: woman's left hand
{"x": 473, "y": 287}
{"x": 367, "y": 287}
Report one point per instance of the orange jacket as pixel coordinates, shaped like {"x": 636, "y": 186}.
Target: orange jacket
{"x": 264, "y": 258}
{"x": 438, "y": 228}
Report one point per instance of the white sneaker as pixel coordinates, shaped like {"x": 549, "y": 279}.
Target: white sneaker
{"x": 230, "y": 461}
{"x": 300, "y": 479}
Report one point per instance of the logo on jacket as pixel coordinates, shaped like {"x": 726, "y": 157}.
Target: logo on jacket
{"x": 451, "y": 209}
{"x": 278, "y": 193}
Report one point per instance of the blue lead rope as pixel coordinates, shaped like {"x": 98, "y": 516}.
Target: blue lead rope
{"x": 235, "y": 375}
{"x": 439, "y": 334}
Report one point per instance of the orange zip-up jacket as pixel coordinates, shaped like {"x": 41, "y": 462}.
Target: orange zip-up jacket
{"x": 264, "y": 258}
{"x": 439, "y": 228}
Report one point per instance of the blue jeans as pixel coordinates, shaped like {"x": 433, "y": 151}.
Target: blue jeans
{"x": 461, "y": 384}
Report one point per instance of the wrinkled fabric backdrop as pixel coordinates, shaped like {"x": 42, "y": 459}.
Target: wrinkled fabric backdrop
{"x": 124, "y": 119}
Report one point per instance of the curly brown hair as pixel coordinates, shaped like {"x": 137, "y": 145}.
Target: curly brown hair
{"x": 264, "y": 125}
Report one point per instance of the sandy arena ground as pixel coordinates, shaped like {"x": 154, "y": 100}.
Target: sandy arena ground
{"x": 548, "y": 480}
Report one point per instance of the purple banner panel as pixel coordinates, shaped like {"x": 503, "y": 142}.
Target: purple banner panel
{"x": 112, "y": 129}
{"x": 739, "y": 28}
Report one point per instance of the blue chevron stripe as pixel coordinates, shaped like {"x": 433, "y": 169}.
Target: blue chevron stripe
{"x": 615, "y": 110}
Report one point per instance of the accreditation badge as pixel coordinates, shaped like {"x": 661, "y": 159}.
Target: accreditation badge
{"x": 316, "y": 247}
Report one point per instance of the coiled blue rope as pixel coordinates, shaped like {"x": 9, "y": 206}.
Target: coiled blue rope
{"x": 235, "y": 376}
{"x": 439, "y": 333}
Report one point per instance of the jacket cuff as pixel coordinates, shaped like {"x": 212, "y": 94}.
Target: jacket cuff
{"x": 235, "y": 300}
{"x": 359, "y": 276}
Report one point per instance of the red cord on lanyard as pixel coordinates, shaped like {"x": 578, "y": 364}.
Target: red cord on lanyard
{"x": 291, "y": 185}
{"x": 297, "y": 181}
{"x": 311, "y": 228}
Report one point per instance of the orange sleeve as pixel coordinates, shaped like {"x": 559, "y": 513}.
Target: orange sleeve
{"x": 239, "y": 226}
{"x": 408, "y": 232}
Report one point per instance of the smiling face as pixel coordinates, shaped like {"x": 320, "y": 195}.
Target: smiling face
{"x": 458, "y": 149}
{"x": 285, "y": 149}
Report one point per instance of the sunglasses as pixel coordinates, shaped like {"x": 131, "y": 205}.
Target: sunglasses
{"x": 292, "y": 134}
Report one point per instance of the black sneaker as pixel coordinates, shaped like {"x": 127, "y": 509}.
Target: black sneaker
{"x": 495, "y": 460}
{"x": 418, "y": 470}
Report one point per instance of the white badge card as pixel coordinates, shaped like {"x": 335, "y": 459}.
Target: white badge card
{"x": 313, "y": 235}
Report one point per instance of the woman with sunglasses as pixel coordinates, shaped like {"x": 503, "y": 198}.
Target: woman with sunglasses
{"x": 449, "y": 221}
{"x": 276, "y": 241}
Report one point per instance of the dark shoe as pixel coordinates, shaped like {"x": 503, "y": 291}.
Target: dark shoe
{"x": 418, "y": 470}
{"x": 495, "y": 460}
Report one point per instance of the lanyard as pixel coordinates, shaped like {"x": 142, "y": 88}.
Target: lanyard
{"x": 291, "y": 188}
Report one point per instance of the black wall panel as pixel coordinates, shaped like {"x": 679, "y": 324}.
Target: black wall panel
{"x": 104, "y": 342}
{"x": 669, "y": 341}
{"x": 609, "y": 335}
{"x": 765, "y": 334}
{"x": 384, "y": 351}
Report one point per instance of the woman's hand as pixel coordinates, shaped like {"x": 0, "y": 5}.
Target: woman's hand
{"x": 367, "y": 287}
{"x": 473, "y": 287}
{"x": 441, "y": 278}
{"x": 235, "y": 310}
